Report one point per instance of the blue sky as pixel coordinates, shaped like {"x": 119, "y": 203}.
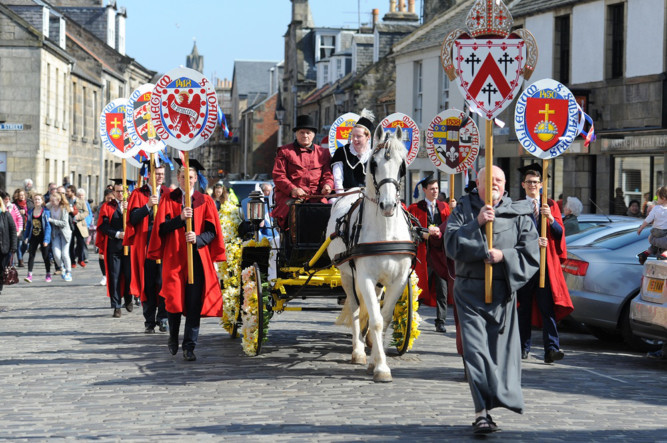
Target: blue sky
{"x": 159, "y": 33}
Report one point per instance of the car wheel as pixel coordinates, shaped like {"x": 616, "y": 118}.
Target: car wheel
{"x": 605, "y": 335}
{"x": 636, "y": 342}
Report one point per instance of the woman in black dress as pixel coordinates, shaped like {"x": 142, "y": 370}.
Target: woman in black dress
{"x": 349, "y": 162}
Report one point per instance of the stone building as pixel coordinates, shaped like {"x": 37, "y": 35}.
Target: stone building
{"x": 66, "y": 60}
{"x": 611, "y": 55}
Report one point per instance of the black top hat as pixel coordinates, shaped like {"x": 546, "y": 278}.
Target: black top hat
{"x": 193, "y": 163}
{"x": 304, "y": 122}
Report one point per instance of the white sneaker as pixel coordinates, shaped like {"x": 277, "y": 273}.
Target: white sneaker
{"x": 103, "y": 282}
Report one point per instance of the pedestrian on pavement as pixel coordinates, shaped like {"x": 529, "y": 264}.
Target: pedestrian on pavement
{"x": 146, "y": 280}
{"x": 8, "y": 240}
{"x": 544, "y": 307}
{"x": 81, "y": 197}
{"x": 61, "y": 233}
{"x": 38, "y": 235}
{"x": 634, "y": 209}
{"x": 118, "y": 272}
{"x": 16, "y": 216}
{"x": 490, "y": 332}
{"x": 572, "y": 209}
{"x": 431, "y": 213}
{"x": 23, "y": 205}
{"x": 220, "y": 195}
{"x": 79, "y": 214}
{"x": 168, "y": 243}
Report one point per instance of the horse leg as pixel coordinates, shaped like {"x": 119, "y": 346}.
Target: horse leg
{"x": 381, "y": 372}
{"x": 358, "y": 349}
{"x": 391, "y": 296}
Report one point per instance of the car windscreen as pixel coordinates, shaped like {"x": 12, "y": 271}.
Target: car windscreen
{"x": 620, "y": 239}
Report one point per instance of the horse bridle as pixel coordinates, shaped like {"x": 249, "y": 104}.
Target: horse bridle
{"x": 387, "y": 156}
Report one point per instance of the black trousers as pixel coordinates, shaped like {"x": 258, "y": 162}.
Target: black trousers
{"x": 119, "y": 288}
{"x": 77, "y": 247}
{"x": 440, "y": 286}
{"x": 154, "y": 304}
{"x": 4, "y": 262}
{"x": 194, "y": 296}
{"x": 34, "y": 244}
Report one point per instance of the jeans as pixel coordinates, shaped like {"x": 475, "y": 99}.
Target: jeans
{"x": 60, "y": 248}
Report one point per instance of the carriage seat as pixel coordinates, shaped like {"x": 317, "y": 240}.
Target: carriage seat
{"x": 307, "y": 226}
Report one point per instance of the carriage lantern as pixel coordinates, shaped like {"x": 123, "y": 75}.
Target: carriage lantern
{"x": 255, "y": 206}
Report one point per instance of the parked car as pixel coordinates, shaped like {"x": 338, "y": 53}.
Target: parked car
{"x": 603, "y": 276}
{"x": 595, "y": 232}
{"x": 648, "y": 311}
{"x": 590, "y": 221}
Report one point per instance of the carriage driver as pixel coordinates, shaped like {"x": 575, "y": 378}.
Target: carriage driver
{"x": 302, "y": 168}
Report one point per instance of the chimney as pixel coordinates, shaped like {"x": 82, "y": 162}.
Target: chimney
{"x": 121, "y": 16}
{"x": 376, "y": 14}
{"x": 401, "y": 5}
{"x": 411, "y": 6}
{"x": 392, "y": 5}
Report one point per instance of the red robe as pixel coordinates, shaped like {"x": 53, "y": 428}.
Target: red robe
{"x": 435, "y": 256}
{"x": 106, "y": 210}
{"x": 171, "y": 249}
{"x": 137, "y": 237}
{"x": 556, "y": 254}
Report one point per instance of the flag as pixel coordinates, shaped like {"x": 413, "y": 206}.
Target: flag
{"x": 222, "y": 122}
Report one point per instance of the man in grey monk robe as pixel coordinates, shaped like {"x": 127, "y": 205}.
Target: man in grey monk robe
{"x": 490, "y": 332}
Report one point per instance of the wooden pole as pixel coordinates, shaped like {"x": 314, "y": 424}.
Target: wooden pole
{"x": 488, "y": 270}
{"x": 154, "y": 187}
{"x": 126, "y": 249}
{"x": 545, "y": 196}
{"x": 451, "y": 189}
{"x": 188, "y": 221}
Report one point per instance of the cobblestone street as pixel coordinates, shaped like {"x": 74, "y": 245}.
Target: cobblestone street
{"x": 72, "y": 371}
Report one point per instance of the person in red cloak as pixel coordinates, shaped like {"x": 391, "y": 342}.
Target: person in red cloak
{"x": 431, "y": 264}
{"x": 544, "y": 307}
{"x": 146, "y": 278}
{"x": 110, "y": 232}
{"x": 301, "y": 169}
{"x": 168, "y": 243}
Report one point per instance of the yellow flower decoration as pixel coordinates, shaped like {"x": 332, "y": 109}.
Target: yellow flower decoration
{"x": 230, "y": 219}
{"x": 399, "y": 322}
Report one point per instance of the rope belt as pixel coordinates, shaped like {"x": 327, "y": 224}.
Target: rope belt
{"x": 376, "y": 248}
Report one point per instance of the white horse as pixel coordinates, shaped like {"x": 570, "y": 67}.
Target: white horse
{"x": 382, "y": 220}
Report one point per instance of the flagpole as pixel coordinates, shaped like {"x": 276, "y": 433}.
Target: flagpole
{"x": 188, "y": 221}
{"x": 154, "y": 188}
{"x": 126, "y": 249}
{"x": 545, "y": 194}
{"x": 451, "y": 189}
{"x": 488, "y": 200}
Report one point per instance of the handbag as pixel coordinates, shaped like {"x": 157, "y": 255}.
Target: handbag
{"x": 10, "y": 275}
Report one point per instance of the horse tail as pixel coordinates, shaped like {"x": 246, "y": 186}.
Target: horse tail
{"x": 345, "y": 317}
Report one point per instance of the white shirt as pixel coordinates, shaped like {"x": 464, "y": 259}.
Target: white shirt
{"x": 658, "y": 217}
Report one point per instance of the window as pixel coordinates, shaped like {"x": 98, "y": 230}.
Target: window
{"x": 325, "y": 73}
{"x": 444, "y": 92}
{"x": 562, "y": 49}
{"x": 64, "y": 99}
{"x": 418, "y": 94}
{"x": 615, "y": 39}
{"x": 83, "y": 112}
{"x": 73, "y": 108}
{"x": 327, "y": 46}
{"x": 94, "y": 111}
{"x": 48, "y": 90}
{"x": 339, "y": 68}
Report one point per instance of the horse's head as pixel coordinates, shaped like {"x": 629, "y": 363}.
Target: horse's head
{"x": 387, "y": 169}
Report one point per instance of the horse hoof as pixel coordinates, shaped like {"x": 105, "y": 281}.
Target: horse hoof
{"x": 382, "y": 377}
{"x": 370, "y": 369}
{"x": 359, "y": 359}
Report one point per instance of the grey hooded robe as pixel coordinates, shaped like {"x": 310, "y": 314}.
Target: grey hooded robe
{"x": 490, "y": 332}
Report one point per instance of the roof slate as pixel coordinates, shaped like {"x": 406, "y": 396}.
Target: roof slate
{"x": 252, "y": 76}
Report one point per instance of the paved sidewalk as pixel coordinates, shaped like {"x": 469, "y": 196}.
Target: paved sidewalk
{"x": 71, "y": 371}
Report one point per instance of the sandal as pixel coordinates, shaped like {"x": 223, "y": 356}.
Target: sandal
{"x": 481, "y": 425}
{"x": 492, "y": 423}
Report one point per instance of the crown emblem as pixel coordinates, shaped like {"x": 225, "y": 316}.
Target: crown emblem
{"x": 489, "y": 17}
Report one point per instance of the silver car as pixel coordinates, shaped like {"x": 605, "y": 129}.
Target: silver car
{"x": 603, "y": 276}
{"x": 648, "y": 312}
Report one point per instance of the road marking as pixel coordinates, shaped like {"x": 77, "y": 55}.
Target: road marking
{"x": 605, "y": 376}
